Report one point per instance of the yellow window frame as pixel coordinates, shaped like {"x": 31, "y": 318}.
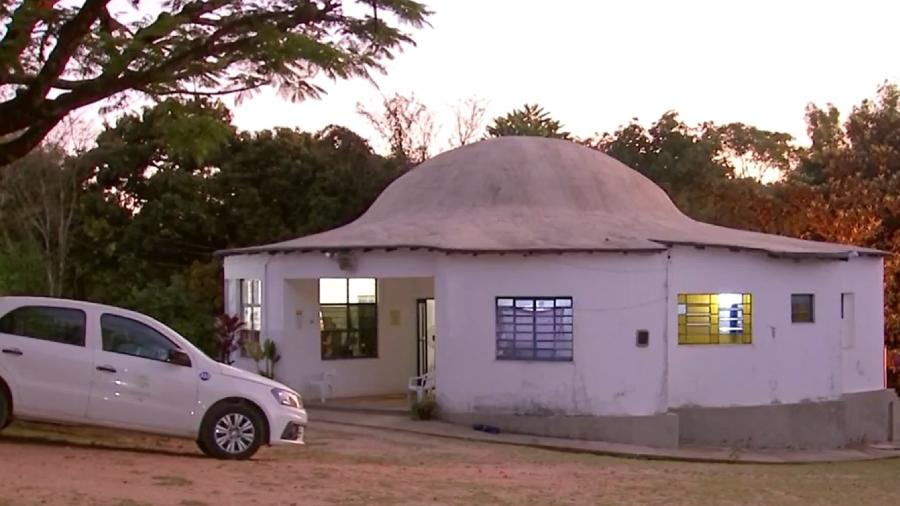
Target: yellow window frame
{"x": 701, "y": 319}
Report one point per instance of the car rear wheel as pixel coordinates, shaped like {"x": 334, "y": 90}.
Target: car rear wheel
{"x": 5, "y": 414}
{"x": 203, "y": 447}
{"x": 231, "y": 431}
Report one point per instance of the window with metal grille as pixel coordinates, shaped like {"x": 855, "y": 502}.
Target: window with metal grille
{"x": 534, "y": 328}
{"x": 348, "y": 318}
{"x": 714, "y": 318}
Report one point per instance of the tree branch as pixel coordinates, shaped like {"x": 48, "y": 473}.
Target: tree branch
{"x": 206, "y": 39}
{"x": 29, "y": 139}
{"x": 18, "y": 31}
{"x": 59, "y": 84}
{"x": 196, "y": 93}
{"x": 70, "y": 37}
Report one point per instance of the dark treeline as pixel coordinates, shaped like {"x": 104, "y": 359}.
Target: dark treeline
{"x": 134, "y": 220}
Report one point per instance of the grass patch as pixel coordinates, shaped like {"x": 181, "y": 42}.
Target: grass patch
{"x": 132, "y": 502}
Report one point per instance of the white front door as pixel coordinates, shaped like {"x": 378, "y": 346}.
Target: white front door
{"x": 42, "y": 350}
{"x": 134, "y": 384}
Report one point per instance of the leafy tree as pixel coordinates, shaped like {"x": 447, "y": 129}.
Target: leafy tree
{"x": 169, "y": 137}
{"x": 703, "y": 168}
{"x": 751, "y": 152}
{"x": 56, "y": 57}
{"x": 146, "y": 214}
{"x": 348, "y": 178}
{"x": 159, "y": 204}
{"x": 21, "y": 268}
{"x": 681, "y": 159}
{"x": 823, "y": 126}
{"x": 282, "y": 184}
{"x": 530, "y": 120}
{"x": 40, "y": 197}
{"x": 179, "y": 303}
{"x": 852, "y": 169}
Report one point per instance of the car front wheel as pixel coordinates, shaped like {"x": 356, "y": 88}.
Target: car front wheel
{"x": 231, "y": 431}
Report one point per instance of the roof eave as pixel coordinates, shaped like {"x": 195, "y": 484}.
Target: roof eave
{"x": 663, "y": 245}
{"x": 466, "y": 251}
{"x": 777, "y": 253}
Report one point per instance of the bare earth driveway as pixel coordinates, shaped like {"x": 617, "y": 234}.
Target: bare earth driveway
{"x": 50, "y": 465}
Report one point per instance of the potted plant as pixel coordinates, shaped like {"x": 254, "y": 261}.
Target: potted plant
{"x": 266, "y": 353}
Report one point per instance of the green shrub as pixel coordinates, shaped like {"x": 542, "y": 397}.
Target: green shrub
{"x": 426, "y": 409}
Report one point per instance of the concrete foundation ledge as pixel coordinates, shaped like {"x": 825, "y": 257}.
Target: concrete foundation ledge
{"x": 658, "y": 431}
{"x": 853, "y": 419}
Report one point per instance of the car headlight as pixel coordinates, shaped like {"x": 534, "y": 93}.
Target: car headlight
{"x": 287, "y": 398}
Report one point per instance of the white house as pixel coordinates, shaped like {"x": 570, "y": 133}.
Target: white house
{"x": 553, "y": 290}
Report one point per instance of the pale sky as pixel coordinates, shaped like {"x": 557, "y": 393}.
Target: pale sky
{"x": 596, "y": 64}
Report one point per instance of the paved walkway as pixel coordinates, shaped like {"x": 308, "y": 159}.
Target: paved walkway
{"x": 400, "y": 423}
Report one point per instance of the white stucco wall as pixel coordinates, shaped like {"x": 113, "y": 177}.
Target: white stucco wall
{"x": 787, "y": 362}
{"x": 863, "y": 359}
{"x": 614, "y": 295}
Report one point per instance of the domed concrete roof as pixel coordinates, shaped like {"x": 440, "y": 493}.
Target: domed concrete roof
{"x": 532, "y": 194}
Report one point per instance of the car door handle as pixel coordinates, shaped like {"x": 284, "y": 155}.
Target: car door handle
{"x": 13, "y": 351}
{"x": 106, "y": 368}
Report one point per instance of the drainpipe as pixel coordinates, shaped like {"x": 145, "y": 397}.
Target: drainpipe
{"x": 664, "y": 394}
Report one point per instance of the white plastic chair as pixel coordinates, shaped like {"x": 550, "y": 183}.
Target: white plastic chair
{"x": 324, "y": 382}
{"x": 420, "y": 385}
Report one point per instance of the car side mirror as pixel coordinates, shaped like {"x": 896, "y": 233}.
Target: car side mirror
{"x": 179, "y": 357}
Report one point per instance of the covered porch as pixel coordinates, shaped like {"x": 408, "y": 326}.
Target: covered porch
{"x": 356, "y": 337}
{"x": 346, "y": 325}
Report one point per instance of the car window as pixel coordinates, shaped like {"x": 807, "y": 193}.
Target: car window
{"x": 56, "y": 324}
{"x": 131, "y": 337}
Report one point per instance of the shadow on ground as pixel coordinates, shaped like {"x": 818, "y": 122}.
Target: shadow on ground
{"x": 45, "y": 434}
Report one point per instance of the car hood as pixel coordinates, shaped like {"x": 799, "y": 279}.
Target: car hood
{"x": 234, "y": 372}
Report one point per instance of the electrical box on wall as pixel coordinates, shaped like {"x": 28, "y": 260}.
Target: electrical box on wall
{"x": 642, "y": 338}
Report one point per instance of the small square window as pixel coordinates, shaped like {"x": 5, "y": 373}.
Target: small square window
{"x": 802, "y": 308}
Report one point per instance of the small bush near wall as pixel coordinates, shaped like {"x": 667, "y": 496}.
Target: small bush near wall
{"x": 426, "y": 409}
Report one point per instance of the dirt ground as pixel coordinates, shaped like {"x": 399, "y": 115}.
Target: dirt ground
{"x": 50, "y": 465}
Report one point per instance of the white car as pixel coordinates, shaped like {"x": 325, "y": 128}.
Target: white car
{"x": 84, "y": 363}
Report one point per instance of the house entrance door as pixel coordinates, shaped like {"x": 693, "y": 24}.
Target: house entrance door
{"x": 425, "y": 337}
